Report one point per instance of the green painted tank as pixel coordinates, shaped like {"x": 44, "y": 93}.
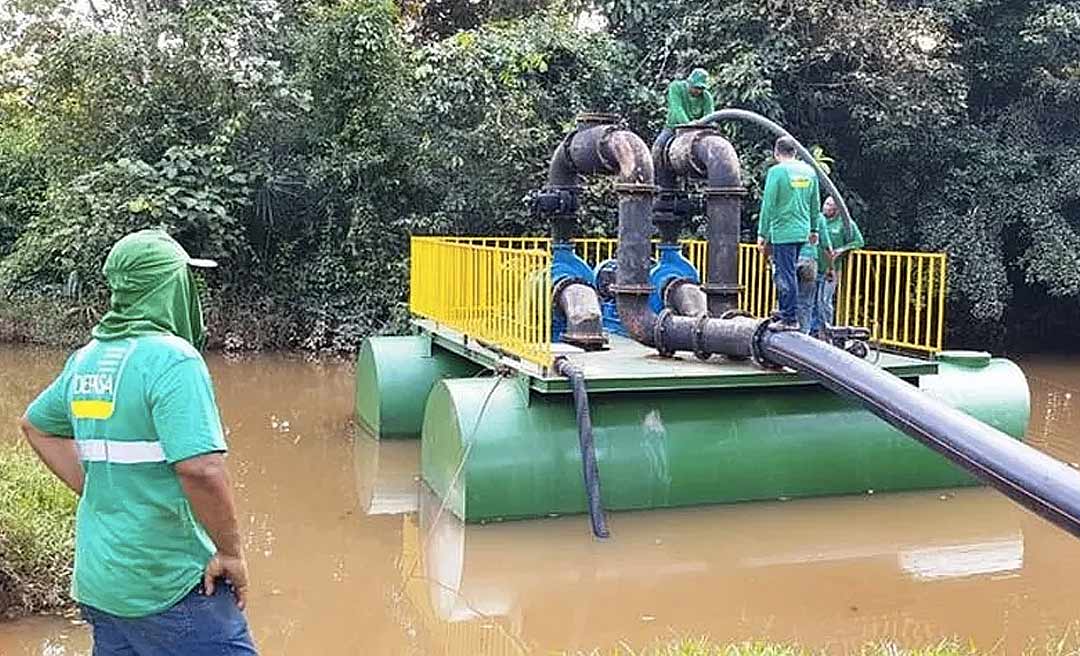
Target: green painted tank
{"x": 492, "y": 450}
{"x": 394, "y": 376}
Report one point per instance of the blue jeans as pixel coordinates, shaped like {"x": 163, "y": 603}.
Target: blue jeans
{"x": 824, "y": 311}
{"x": 196, "y": 626}
{"x": 807, "y": 302}
{"x": 784, "y": 257}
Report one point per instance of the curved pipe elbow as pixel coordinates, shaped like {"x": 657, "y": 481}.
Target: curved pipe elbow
{"x": 721, "y": 162}
{"x": 686, "y": 298}
{"x": 561, "y": 171}
{"x": 580, "y": 305}
{"x": 629, "y": 156}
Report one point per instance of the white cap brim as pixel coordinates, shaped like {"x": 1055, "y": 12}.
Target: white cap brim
{"x": 201, "y": 263}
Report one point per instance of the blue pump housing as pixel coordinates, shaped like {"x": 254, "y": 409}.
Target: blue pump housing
{"x": 565, "y": 264}
{"x": 672, "y": 265}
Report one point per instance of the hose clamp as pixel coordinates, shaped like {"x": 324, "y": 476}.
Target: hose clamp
{"x": 659, "y": 330}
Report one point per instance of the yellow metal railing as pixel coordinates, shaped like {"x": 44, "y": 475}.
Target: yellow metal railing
{"x": 899, "y": 296}
{"x": 499, "y": 295}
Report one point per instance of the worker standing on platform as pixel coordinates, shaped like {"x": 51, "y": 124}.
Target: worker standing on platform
{"x": 687, "y": 100}
{"x": 810, "y": 272}
{"x": 788, "y": 205}
{"x": 844, "y": 236}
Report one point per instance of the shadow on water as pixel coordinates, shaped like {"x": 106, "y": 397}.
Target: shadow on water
{"x": 350, "y": 554}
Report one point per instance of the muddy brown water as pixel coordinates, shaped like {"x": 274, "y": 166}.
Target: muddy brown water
{"x": 349, "y": 555}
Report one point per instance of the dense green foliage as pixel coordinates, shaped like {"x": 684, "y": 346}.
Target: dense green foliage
{"x": 301, "y": 141}
{"x": 37, "y": 534}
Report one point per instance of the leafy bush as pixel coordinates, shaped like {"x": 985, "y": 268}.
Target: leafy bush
{"x": 37, "y": 534}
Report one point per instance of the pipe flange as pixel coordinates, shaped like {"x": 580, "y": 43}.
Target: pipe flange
{"x": 722, "y": 288}
{"x": 633, "y": 290}
{"x": 634, "y": 188}
{"x": 658, "y": 333}
{"x": 698, "y": 335}
{"x": 725, "y": 192}
{"x": 757, "y": 351}
{"x": 592, "y": 119}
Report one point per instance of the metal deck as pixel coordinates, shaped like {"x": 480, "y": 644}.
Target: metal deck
{"x": 629, "y": 366}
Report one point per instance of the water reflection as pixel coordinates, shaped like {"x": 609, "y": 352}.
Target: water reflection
{"x": 743, "y": 570}
{"x": 387, "y": 475}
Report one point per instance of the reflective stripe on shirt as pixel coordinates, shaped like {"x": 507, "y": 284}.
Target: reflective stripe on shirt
{"x": 123, "y": 453}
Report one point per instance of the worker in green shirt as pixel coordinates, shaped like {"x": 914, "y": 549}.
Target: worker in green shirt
{"x": 687, "y": 100}
{"x": 788, "y": 205}
{"x": 844, "y": 236}
{"x": 810, "y": 273}
{"x": 132, "y": 427}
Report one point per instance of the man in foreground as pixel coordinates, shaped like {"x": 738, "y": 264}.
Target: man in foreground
{"x": 788, "y": 204}
{"x": 132, "y": 426}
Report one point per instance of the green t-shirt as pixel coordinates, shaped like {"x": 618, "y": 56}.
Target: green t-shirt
{"x": 791, "y": 198}
{"x": 819, "y": 250}
{"x": 135, "y": 407}
{"x": 835, "y": 230}
{"x": 683, "y": 107}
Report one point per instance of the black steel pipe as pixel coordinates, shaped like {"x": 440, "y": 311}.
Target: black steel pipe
{"x": 589, "y": 469}
{"x": 1047, "y": 487}
{"x": 701, "y": 152}
{"x": 578, "y": 155}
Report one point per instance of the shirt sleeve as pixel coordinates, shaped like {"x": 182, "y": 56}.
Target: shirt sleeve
{"x": 823, "y": 232}
{"x": 49, "y": 411}
{"x": 768, "y": 200}
{"x": 710, "y": 104}
{"x": 856, "y": 237}
{"x": 185, "y": 413}
{"x": 676, "y": 106}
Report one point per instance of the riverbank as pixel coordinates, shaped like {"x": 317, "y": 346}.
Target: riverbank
{"x": 37, "y": 535}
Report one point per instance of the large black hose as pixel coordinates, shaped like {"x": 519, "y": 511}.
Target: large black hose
{"x": 731, "y": 114}
{"x": 589, "y": 469}
{"x": 1033, "y": 479}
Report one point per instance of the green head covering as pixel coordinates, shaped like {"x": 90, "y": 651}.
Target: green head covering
{"x": 153, "y": 289}
{"x": 698, "y": 78}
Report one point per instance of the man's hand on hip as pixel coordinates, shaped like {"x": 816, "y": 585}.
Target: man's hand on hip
{"x": 229, "y": 567}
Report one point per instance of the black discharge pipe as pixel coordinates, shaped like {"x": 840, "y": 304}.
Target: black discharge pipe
{"x": 589, "y": 469}
{"x": 700, "y": 151}
{"x": 1047, "y": 487}
{"x": 731, "y": 114}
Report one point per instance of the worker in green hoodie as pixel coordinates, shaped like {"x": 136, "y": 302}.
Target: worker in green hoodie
{"x": 132, "y": 427}
{"x": 844, "y": 237}
{"x": 788, "y": 206}
{"x": 687, "y": 100}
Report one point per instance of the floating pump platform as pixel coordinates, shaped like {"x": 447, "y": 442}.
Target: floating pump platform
{"x": 500, "y": 438}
